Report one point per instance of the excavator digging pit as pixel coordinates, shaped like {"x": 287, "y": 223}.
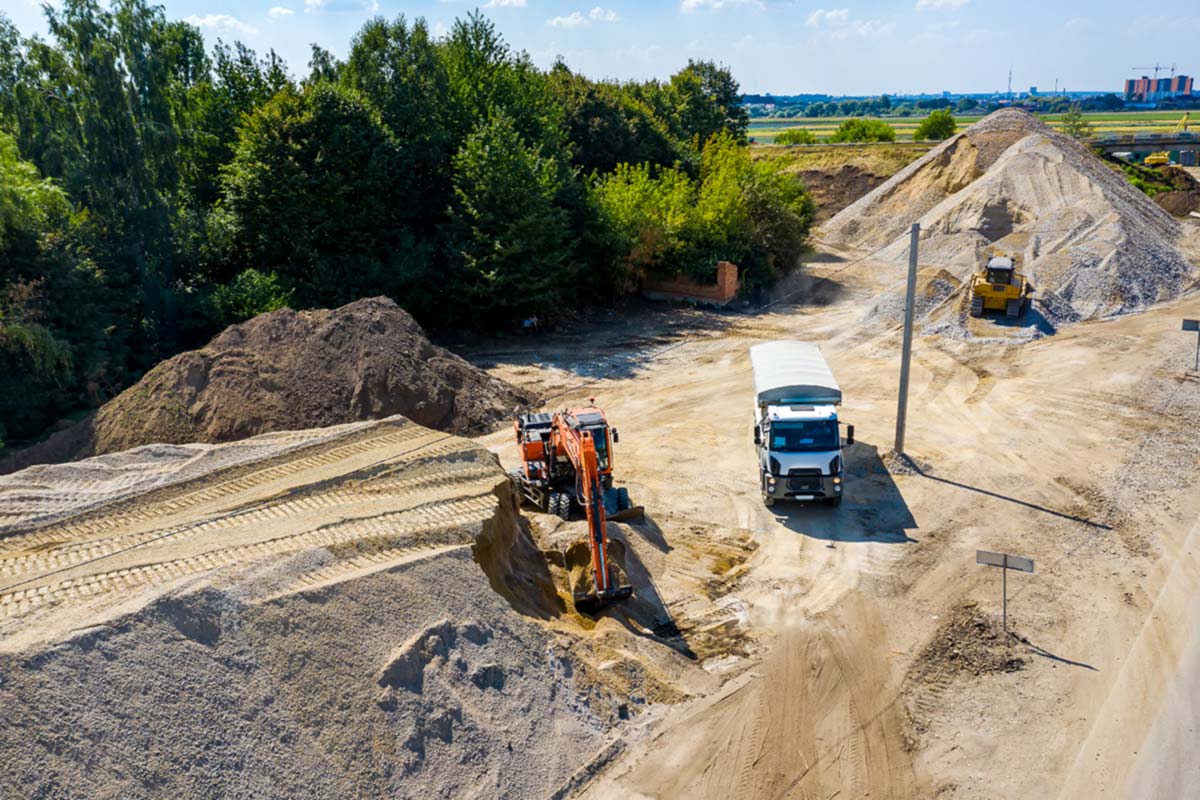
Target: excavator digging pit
{"x": 581, "y": 575}
{"x": 568, "y": 467}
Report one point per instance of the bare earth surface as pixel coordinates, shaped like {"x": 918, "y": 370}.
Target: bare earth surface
{"x": 360, "y": 612}
{"x": 859, "y": 678}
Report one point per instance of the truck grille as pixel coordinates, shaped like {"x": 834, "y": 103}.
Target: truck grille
{"x": 804, "y": 480}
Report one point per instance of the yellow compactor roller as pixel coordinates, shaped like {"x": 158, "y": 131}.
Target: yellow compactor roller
{"x": 999, "y": 287}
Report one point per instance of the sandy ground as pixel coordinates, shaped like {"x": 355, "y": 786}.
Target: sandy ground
{"x": 339, "y": 613}
{"x": 1078, "y": 451}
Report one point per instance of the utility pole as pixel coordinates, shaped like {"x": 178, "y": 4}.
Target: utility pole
{"x": 906, "y": 352}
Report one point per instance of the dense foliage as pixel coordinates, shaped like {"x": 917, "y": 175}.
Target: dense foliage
{"x": 796, "y": 136}
{"x": 153, "y": 191}
{"x": 937, "y": 126}
{"x": 864, "y": 130}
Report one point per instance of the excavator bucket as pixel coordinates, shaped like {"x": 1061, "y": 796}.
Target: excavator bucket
{"x": 582, "y": 577}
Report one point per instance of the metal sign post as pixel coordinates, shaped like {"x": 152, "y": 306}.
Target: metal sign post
{"x": 1194, "y": 325}
{"x": 906, "y": 352}
{"x": 1005, "y": 562}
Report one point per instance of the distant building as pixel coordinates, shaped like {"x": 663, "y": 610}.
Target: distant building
{"x": 1151, "y": 90}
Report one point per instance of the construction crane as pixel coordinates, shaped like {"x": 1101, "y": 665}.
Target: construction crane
{"x": 1157, "y": 69}
{"x": 567, "y": 464}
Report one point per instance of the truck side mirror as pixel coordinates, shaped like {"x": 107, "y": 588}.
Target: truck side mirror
{"x": 616, "y": 436}
{"x": 757, "y": 435}
{"x": 849, "y": 434}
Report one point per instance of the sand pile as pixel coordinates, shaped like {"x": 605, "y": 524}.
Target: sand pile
{"x": 1093, "y": 244}
{"x": 290, "y": 370}
{"x": 358, "y": 612}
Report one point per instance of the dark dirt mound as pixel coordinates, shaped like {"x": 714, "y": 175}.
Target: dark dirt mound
{"x": 290, "y": 370}
{"x": 834, "y": 190}
{"x": 968, "y": 641}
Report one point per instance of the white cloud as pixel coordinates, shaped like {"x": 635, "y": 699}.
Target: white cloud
{"x": 923, "y": 4}
{"x": 688, "y": 6}
{"x": 339, "y": 6}
{"x": 504, "y": 4}
{"x": 279, "y": 12}
{"x": 220, "y": 22}
{"x": 832, "y": 18}
{"x": 572, "y": 20}
{"x": 836, "y": 23}
{"x": 576, "y": 19}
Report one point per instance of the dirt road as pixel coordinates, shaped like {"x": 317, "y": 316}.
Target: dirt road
{"x": 1077, "y": 451}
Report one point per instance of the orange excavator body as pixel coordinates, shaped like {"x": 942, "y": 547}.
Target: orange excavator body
{"x": 568, "y": 460}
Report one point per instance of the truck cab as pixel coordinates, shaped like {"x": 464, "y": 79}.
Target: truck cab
{"x": 797, "y": 433}
{"x": 800, "y": 454}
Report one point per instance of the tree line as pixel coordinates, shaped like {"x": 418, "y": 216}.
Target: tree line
{"x": 153, "y": 191}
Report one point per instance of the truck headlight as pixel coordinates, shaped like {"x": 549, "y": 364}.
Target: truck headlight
{"x": 837, "y": 479}
{"x": 770, "y": 480}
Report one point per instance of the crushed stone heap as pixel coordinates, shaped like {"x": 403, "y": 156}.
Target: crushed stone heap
{"x": 1093, "y": 244}
{"x": 357, "y": 611}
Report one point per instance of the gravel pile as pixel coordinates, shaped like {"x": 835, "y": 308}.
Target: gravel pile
{"x": 1093, "y": 245}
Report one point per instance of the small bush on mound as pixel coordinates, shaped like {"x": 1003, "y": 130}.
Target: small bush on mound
{"x": 249, "y": 294}
{"x": 864, "y": 130}
{"x": 937, "y": 126}
{"x": 796, "y": 136}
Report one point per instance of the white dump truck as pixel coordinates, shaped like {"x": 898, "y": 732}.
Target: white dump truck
{"x": 796, "y": 427}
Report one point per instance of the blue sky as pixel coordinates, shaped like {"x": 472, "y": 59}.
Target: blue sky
{"x": 780, "y": 46}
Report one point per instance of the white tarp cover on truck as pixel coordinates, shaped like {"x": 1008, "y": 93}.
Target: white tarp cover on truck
{"x": 789, "y": 373}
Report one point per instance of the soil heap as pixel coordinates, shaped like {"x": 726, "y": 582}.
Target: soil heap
{"x": 290, "y": 370}
{"x": 1093, "y": 244}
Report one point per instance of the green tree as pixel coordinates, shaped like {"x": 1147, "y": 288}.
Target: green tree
{"x": 317, "y": 193}
{"x": 937, "y": 126}
{"x": 864, "y": 130}
{"x": 1073, "y": 123}
{"x": 396, "y": 68}
{"x": 796, "y": 136}
{"x": 511, "y": 240}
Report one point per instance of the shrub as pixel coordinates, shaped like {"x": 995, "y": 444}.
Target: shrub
{"x": 864, "y": 130}
{"x": 796, "y": 136}
{"x": 937, "y": 126}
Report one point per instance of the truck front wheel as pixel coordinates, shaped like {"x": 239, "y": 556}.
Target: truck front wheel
{"x": 768, "y": 501}
{"x": 835, "y": 501}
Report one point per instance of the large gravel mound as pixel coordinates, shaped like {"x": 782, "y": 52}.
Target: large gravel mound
{"x": 352, "y": 612}
{"x": 1093, "y": 244}
{"x": 290, "y": 370}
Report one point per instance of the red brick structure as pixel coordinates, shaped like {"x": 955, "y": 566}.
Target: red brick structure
{"x": 684, "y": 289}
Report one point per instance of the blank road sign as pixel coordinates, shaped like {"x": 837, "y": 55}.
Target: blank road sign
{"x": 1191, "y": 324}
{"x": 990, "y": 559}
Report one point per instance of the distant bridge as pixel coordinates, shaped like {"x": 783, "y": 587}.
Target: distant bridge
{"x": 1186, "y": 144}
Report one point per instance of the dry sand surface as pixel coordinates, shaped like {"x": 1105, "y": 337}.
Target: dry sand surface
{"x": 290, "y": 370}
{"x": 869, "y": 660}
{"x": 360, "y": 611}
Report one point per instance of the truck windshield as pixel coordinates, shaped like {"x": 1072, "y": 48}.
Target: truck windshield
{"x": 805, "y": 437}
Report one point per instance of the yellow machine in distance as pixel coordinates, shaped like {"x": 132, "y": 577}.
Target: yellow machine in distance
{"x": 1163, "y": 157}
{"x": 999, "y": 287}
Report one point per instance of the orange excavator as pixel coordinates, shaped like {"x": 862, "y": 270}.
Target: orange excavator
{"x": 567, "y": 465}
